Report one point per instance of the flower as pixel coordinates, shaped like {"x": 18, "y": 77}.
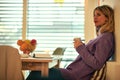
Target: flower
{"x": 27, "y": 46}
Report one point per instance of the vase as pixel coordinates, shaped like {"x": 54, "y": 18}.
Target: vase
{"x": 25, "y": 55}
{"x": 26, "y": 52}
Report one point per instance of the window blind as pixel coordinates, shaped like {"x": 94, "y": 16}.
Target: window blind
{"x": 55, "y": 24}
{"x": 10, "y": 21}
{"x": 51, "y": 22}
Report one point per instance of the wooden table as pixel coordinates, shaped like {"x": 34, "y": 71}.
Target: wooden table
{"x": 40, "y": 64}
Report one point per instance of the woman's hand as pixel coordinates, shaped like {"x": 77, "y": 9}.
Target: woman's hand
{"x": 77, "y": 42}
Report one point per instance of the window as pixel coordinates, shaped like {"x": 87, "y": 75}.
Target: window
{"x": 10, "y": 21}
{"x": 53, "y": 23}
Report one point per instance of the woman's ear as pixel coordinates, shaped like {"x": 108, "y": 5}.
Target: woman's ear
{"x": 106, "y": 21}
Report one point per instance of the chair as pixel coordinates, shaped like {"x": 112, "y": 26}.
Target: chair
{"x": 59, "y": 51}
{"x": 100, "y": 74}
{"x": 10, "y": 63}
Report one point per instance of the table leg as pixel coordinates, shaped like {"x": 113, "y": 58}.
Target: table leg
{"x": 44, "y": 70}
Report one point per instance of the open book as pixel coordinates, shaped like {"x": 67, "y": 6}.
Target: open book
{"x": 42, "y": 55}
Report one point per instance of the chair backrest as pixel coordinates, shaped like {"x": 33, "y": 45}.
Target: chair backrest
{"x": 59, "y": 51}
{"x": 100, "y": 74}
{"x": 10, "y": 63}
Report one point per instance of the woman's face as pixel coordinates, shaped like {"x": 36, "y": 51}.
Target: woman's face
{"x": 99, "y": 18}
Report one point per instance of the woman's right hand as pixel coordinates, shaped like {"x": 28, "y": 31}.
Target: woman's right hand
{"x": 77, "y": 42}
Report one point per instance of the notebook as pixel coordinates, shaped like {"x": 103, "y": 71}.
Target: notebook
{"x": 42, "y": 55}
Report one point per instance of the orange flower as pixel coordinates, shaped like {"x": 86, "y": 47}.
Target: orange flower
{"x": 33, "y": 42}
{"x": 27, "y": 46}
{"x": 20, "y": 42}
{"x": 24, "y": 46}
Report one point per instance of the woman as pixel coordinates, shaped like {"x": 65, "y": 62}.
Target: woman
{"x": 93, "y": 55}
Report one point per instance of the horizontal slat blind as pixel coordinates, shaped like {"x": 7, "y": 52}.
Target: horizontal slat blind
{"x": 55, "y": 25}
{"x": 51, "y": 23}
{"x": 10, "y": 21}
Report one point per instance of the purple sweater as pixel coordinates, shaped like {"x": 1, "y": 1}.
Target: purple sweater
{"x": 92, "y": 56}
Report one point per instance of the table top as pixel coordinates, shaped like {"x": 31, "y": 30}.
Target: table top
{"x": 32, "y": 59}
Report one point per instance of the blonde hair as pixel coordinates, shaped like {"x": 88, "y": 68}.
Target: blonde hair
{"x": 109, "y": 14}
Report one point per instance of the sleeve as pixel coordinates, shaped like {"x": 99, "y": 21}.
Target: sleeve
{"x": 101, "y": 55}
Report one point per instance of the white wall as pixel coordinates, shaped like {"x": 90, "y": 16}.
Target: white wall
{"x": 108, "y": 2}
{"x": 89, "y": 25}
{"x": 113, "y": 69}
{"x": 117, "y": 29}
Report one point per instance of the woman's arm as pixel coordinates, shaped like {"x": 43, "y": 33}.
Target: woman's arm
{"x": 102, "y": 52}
